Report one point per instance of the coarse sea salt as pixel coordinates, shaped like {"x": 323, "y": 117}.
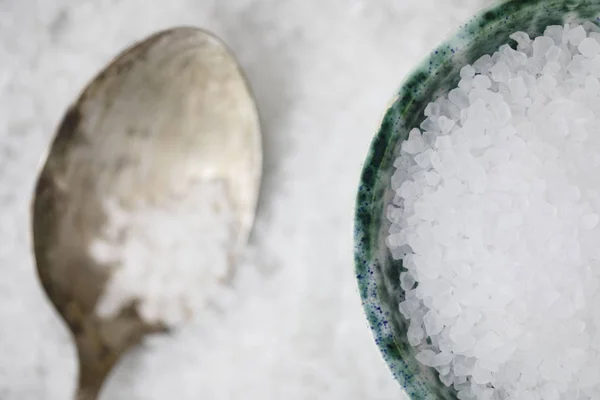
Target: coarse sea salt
{"x": 496, "y": 218}
{"x": 171, "y": 259}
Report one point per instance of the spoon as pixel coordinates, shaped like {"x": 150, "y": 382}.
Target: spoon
{"x": 172, "y": 109}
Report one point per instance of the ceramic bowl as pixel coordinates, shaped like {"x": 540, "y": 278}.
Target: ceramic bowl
{"x": 377, "y": 273}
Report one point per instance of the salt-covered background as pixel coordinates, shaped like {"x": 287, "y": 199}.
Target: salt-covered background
{"x": 322, "y": 72}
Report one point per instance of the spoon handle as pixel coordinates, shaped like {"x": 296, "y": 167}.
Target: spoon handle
{"x": 95, "y": 363}
{"x": 85, "y": 394}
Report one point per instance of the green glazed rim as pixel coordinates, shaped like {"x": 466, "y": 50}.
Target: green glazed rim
{"x": 377, "y": 273}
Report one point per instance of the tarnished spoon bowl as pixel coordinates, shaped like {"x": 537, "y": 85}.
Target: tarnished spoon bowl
{"x": 170, "y": 110}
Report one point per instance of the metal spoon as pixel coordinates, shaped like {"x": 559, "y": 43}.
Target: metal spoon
{"x": 175, "y": 105}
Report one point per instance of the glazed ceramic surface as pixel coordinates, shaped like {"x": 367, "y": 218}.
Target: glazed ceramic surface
{"x": 377, "y": 273}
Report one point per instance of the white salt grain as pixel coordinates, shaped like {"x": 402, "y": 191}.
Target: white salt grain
{"x": 482, "y": 82}
{"x": 592, "y": 86}
{"x": 426, "y": 357}
{"x": 415, "y": 334}
{"x": 522, "y": 39}
{"x": 407, "y": 281}
{"x": 553, "y": 53}
{"x": 445, "y": 124}
{"x": 467, "y": 72}
{"x": 459, "y": 98}
{"x": 433, "y": 323}
{"x": 541, "y": 45}
{"x": 517, "y": 87}
{"x": 169, "y": 259}
{"x": 589, "y": 47}
{"x": 423, "y": 160}
{"x": 500, "y": 72}
{"x": 577, "y": 35}
{"x": 442, "y": 359}
{"x": 589, "y": 221}
{"x": 499, "y": 208}
{"x": 483, "y": 64}
{"x": 414, "y": 144}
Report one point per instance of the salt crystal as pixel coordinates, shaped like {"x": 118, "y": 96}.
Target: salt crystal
{"x": 592, "y": 86}
{"x": 414, "y": 144}
{"x": 445, "y": 124}
{"x": 426, "y": 357}
{"x": 463, "y": 270}
{"x": 550, "y": 392}
{"x": 408, "y": 307}
{"x": 555, "y": 32}
{"x": 447, "y": 379}
{"x": 429, "y": 125}
{"x": 396, "y": 239}
{"x": 594, "y": 66}
{"x": 589, "y": 47}
{"x": 415, "y": 334}
{"x": 577, "y": 67}
{"x": 482, "y": 82}
{"x": 423, "y": 160}
{"x": 577, "y": 35}
{"x": 467, "y": 72}
{"x": 465, "y": 84}
{"x": 407, "y": 190}
{"x": 452, "y": 309}
{"x": 522, "y": 39}
{"x": 432, "y": 110}
{"x": 483, "y": 64}
{"x": 547, "y": 83}
{"x": 588, "y": 377}
{"x": 443, "y": 369}
{"x": 589, "y": 221}
{"x": 517, "y": 86}
{"x": 442, "y": 359}
{"x": 500, "y": 72}
{"x": 432, "y": 178}
{"x": 459, "y": 98}
{"x": 595, "y": 35}
{"x": 541, "y": 45}
{"x": 525, "y": 395}
{"x": 553, "y": 53}
{"x": 502, "y": 112}
{"x": 407, "y": 281}
{"x": 566, "y": 31}
{"x": 463, "y": 365}
{"x": 487, "y": 344}
{"x": 481, "y": 376}
{"x": 513, "y": 58}
{"x": 486, "y": 394}
{"x": 436, "y": 162}
{"x": 443, "y": 142}
{"x": 433, "y": 324}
